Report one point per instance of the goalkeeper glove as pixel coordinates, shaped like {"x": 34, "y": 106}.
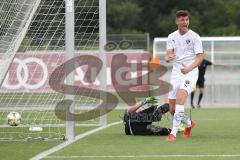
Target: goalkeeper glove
{"x": 151, "y": 100}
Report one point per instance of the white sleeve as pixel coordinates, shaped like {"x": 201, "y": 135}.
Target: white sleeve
{"x": 198, "y": 48}
{"x": 169, "y": 42}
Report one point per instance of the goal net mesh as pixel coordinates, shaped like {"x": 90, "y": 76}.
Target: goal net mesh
{"x": 32, "y": 46}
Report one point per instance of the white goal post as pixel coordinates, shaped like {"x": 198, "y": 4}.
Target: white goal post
{"x": 37, "y": 36}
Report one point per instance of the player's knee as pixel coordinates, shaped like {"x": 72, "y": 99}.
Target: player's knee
{"x": 181, "y": 97}
{"x": 201, "y": 90}
{"x": 194, "y": 90}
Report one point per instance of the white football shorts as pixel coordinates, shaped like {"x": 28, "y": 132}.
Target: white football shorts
{"x": 182, "y": 81}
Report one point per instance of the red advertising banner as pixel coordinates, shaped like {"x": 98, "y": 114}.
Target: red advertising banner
{"x": 31, "y": 72}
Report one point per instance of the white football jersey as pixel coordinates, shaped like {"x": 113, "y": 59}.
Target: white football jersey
{"x": 185, "y": 47}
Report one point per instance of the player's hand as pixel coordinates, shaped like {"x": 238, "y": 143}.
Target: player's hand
{"x": 151, "y": 100}
{"x": 185, "y": 70}
{"x": 169, "y": 57}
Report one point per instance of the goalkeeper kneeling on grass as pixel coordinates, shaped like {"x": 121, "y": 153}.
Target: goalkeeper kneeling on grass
{"x": 138, "y": 119}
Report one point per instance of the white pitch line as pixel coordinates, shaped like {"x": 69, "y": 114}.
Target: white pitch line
{"x": 214, "y": 119}
{"x": 147, "y": 156}
{"x": 65, "y": 144}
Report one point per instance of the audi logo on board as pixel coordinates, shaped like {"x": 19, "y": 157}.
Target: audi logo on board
{"x": 26, "y": 74}
{"x": 29, "y": 73}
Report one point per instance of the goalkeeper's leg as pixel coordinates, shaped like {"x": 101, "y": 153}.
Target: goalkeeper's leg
{"x": 159, "y": 131}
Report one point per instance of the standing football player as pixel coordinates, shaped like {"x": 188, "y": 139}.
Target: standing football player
{"x": 184, "y": 49}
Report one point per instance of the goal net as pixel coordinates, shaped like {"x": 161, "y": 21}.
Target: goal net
{"x": 32, "y": 46}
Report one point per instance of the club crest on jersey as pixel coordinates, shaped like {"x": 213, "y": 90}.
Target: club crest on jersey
{"x": 188, "y": 41}
{"x": 187, "y": 82}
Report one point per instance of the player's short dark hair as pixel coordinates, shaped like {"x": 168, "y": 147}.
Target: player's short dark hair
{"x": 182, "y": 13}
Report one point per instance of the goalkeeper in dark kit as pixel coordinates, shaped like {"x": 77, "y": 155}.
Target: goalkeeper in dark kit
{"x": 139, "y": 118}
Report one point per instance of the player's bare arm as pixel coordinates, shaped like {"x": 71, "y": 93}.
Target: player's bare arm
{"x": 199, "y": 58}
{"x": 169, "y": 55}
{"x": 219, "y": 65}
{"x": 133, "y": 109}
{"x": 138, "y": 106}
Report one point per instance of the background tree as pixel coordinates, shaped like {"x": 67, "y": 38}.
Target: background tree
{"x": 157, "y": 17}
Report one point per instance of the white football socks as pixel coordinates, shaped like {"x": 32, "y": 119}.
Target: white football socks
{"x": 177, "y": 118}
{"x": 186, "y": 121}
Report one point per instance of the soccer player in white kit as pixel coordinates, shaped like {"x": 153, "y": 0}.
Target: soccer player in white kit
{"x": 184, "y": 49}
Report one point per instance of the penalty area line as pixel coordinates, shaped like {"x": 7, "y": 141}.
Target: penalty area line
{"x": 67, "y": 143}
{"x": 146, "y": 156}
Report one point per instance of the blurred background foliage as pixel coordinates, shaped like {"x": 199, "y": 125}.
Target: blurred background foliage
{"x": 157, "y": 17}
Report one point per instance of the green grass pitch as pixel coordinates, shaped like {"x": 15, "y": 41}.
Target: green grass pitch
{"x": 215, "y": 137}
